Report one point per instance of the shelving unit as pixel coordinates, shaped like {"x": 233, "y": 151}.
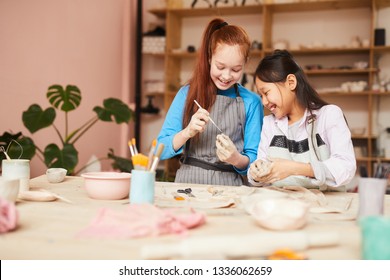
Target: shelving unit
{"x": 269, "y": 16}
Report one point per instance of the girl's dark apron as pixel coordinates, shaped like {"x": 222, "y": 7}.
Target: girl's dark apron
{"x": 200, "y": 163}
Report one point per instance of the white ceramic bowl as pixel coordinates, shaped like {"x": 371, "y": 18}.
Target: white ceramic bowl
{"x": 9, "y": 189}
{"x": 107, "y": 185}
{"x": 280, "y": 213}
{"x": 56, "y": 175}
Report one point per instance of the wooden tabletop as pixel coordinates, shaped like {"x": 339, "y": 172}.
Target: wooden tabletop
{"x": 48, "y": 230}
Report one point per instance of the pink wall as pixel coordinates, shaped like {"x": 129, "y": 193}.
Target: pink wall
{"x": 86, "y": 43}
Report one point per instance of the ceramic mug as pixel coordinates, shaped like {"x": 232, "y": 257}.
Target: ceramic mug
{"x": 17, "y": 169}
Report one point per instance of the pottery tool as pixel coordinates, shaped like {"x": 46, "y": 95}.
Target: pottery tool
{"x": 156, "y": 157}
{"x": 187, "y": 191}
{"x": 131, "y": 148}
{"x": 209, "y": 117}
{"x": 134, "y": 146}
{"x": 5, "y": 153}
{"x": 151, "y": 153}
{"x": 60, "y": 197}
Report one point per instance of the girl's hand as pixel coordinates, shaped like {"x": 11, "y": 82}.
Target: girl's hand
{"x": 226, "y": 150}
{"x": 197, "y": 124}
{"x": 279, "y": 169}
{"x": 259, "y": 169}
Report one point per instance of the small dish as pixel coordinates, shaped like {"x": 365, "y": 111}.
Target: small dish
{"x": 56, "y": 175}
{"x": 107, "y": 185}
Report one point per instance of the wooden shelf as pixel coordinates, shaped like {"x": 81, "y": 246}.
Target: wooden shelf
{"x": 215, "y": 11}
{"x": 154, "y": 54}
{"x": 318, "y": 5}
{"x": 328, "y": 51}
{"x": 160, "y": 13}
{"x": 381, "y": 49}
{"x": 267, "y": 14}
{"x": 382, "y": 3}
{"x": 340, "y": 71}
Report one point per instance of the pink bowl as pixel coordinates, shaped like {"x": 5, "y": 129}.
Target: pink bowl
{"x": 107, "y": 185}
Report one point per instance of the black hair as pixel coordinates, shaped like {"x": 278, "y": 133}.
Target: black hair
{"x": 275, "y": 68}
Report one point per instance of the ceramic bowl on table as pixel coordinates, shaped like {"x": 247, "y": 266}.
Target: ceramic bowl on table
{"x": 107, "y": 185}
{"x": 280, "y": 213}
{"x": 56, "y": 175}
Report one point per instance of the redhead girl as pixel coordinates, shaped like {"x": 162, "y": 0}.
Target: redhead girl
{"x": 305, "y": 141}
{"x": 215, "y": 154}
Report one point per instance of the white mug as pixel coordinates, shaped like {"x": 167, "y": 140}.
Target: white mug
{"x": 17, "y": 169}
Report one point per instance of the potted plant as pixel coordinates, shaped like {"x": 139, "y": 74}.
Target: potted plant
{"x": 66, "y": 99}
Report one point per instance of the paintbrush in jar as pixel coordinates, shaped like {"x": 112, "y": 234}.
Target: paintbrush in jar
{"x": 134, "y": 146}
{"x": 156, "y": 157}
{"x": 131, "y": 148}
{"x": 151, "y": 153}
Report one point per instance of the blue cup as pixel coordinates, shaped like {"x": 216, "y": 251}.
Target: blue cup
{"x": 142, "y": 186}
{"x": 375, "y": 237}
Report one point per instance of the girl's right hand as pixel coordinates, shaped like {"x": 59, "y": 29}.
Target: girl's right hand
{"x": 198, "y": 123}
{"x": 259, "y": 170}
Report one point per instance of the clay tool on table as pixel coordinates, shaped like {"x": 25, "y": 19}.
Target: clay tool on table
{"x": 60, "y": 197}
{"x": 209, "y": 117}
{"x": 187, "y": 191}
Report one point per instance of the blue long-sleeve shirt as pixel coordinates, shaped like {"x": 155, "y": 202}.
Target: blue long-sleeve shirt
{"x": 253, "y": 123}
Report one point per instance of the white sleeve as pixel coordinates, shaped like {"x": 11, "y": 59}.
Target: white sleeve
{"x": 342, "y": 162}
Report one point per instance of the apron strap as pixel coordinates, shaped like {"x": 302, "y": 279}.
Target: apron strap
{"x": 207, "y": 165}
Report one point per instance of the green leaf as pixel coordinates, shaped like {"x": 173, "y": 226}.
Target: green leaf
{"x": 35, "y": 118}
{"x": 26, "y": 151}
{"x": 119, "y": 163}
{"x": 114, "y": 108}
{"x": 69, "y": 99}
{"x": 66, "y": 158}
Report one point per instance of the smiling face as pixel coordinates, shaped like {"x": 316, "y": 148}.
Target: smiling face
{"x": 226, "y": 66}
{"x": 280, "y": 98}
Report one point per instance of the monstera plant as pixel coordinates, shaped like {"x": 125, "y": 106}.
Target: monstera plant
{"x": 66, "y": 100}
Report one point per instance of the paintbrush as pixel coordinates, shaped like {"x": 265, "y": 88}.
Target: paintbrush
{"x": 134, "y": 146}
{"x": 151, "y": 153}
{"x": 131, "y": 148}
{"x": 209, "y": 117}
{"x": 140, "y": 161}
{"x": 156, "y": 157}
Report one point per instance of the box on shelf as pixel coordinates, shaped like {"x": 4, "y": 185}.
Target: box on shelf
{"x": 153, "y": 44}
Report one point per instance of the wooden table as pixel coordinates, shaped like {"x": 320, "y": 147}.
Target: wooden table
{"x": 47, "y": 230}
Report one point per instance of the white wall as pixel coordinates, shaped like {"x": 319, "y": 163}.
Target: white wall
{"x": 85, "y": 43}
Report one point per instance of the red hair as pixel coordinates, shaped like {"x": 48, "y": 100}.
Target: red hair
{"x": 202, "y": 88}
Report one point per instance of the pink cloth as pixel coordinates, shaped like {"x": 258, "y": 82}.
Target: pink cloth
{"x": 8, "y": 216}
{"x": 141, "y": 220}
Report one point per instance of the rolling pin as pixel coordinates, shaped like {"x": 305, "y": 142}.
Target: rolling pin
{"x": 239, "y": 245}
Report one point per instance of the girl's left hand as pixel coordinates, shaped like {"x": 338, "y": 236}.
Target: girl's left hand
{"x": 226, "y": 150}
